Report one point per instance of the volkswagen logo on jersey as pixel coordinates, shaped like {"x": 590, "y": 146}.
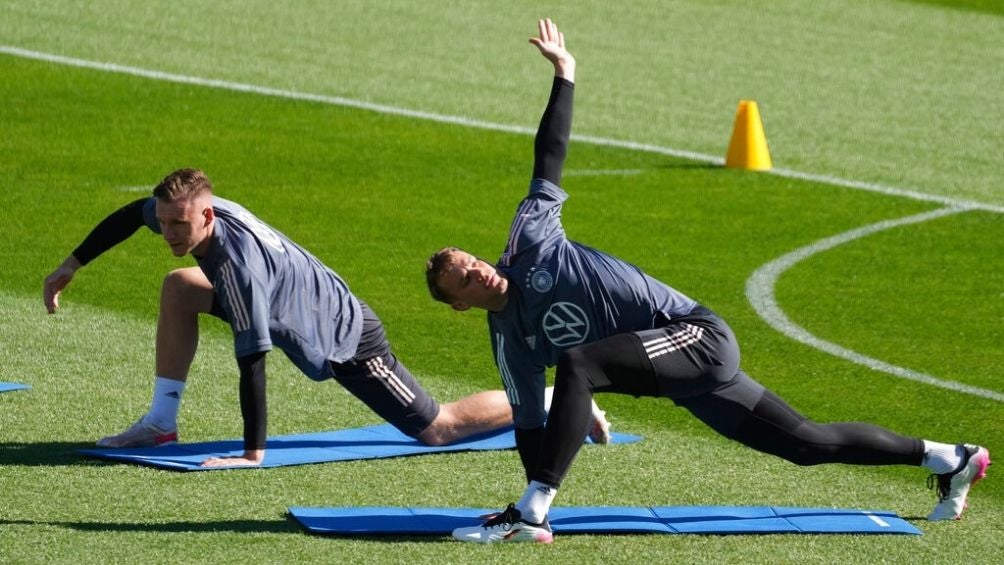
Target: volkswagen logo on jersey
{"x": 541, "y": 281}
{"x": 565, "y": 324}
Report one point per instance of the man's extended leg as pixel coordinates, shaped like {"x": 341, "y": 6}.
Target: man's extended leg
{"x": 470, "y": 415}
{"x": 184, "y": 295}
{"x": 486, "y": 411}
{"x": 772, "y": 426}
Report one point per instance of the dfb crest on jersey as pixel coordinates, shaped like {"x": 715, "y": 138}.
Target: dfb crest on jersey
{"x": 565, "y": 324}
{"x": 541, "y": 281}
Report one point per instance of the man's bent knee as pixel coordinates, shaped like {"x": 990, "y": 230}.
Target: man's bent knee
{"x": 436, "y": 435}
{"x": 188, "y": 288}
{"x": 441, "y": 431}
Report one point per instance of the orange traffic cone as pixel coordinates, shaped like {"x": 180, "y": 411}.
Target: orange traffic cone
{"x": 748, "y": 146}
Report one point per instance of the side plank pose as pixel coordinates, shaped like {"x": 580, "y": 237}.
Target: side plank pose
{"x": 273, "y": 293}
{"x": 609, "y": 327}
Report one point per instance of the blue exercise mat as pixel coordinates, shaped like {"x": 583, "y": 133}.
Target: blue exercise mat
{"x": 371, "y": 442}
{"x": 6, "y": 387}
{"x": 611, "y": 520}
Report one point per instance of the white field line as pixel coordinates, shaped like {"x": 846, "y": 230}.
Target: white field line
{"x": 957, "y": 205}
{"x": 480, "y": 124}
{"x": 889, "y": 190}
{"x": 760, "y": 292}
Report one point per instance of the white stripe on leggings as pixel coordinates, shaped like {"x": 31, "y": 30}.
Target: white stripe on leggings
{"x": 687, "y": 336}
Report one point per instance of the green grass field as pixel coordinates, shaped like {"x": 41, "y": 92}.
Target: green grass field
{"x": 901, "y": 96}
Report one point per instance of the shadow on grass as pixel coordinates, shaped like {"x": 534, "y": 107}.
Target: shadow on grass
{"x": 46, "y": 454}
{"x": 291, "y": 526}
{"x": 287, "y": 526}
{"x": 222, "y": 526}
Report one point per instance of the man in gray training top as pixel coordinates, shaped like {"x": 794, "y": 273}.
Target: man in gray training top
{"x": 273, "y": 293}
{"x": 609, "y": 327}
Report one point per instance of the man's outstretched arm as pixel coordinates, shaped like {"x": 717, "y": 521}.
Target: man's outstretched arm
{"x": 551, "y": 143}
{"x": 114, "y": 229}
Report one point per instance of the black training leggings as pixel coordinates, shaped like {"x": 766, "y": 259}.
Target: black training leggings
{"x": 739, "y": 409}
{"x": 776, "y": 428}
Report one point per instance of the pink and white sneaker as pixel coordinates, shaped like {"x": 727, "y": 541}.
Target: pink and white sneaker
{"x": 507, "y": 526}
{"x": 141, "y": 434}
{"x": 954, "y": 487}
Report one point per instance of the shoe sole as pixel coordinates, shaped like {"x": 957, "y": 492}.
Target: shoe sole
{"x": 982, "y": 462}
{"x": 544, "y": 539}
{"x": 513, "y": 536}
{"x": 159, "y": 441}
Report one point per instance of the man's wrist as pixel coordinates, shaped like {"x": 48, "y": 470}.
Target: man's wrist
{"x": 565, "y": 69}
{"x": 72, "y": 263}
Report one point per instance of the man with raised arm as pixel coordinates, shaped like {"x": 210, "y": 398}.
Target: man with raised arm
{"x": 609, "y": 327}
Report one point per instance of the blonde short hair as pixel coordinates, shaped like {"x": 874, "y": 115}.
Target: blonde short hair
{"x": 183, "y": 184}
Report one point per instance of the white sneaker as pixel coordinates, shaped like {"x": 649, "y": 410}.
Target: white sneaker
{"x": 141, "y": 434}
{"x": 599, "y": 431}
{"x": 954, "y": 487}
{"x": 507, "y": 526}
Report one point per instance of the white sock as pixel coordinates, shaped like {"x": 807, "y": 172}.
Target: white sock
{"x": 548, "y": 397}
{"x": 166, "y": 401}
{"x": 536, "y": 502}
{"x": 942, "y": 458}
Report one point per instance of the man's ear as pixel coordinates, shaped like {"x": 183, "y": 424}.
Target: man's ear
{"x": 209, "y": 214}
{"x": 460, "y": 306}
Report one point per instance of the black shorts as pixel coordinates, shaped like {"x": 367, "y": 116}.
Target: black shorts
{"x": 377, "y": 378}
{"x": 689, "y": 359}
{"x": 691, "y": 355}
